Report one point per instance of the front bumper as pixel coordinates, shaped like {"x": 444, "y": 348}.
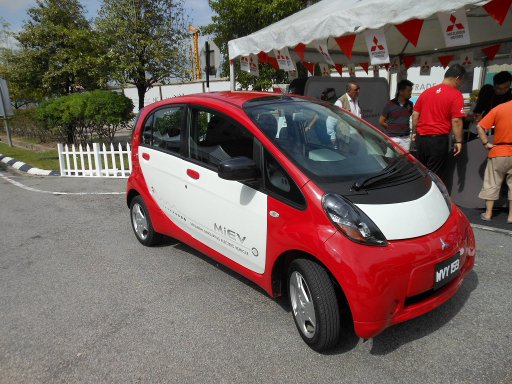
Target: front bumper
{"x": 388, "y": 285}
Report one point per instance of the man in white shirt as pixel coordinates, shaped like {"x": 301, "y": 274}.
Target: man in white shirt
{"x": 350, "y": 100}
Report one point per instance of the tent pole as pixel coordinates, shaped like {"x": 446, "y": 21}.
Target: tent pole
{"x": 231, "y": 75}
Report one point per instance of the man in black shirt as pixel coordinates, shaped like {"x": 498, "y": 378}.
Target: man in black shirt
{"x": 501, "y": 94}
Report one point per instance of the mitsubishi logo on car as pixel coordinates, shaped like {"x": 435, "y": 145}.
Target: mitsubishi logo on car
{"x": 443, "y": 244}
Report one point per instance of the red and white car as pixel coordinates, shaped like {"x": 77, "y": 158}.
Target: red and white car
{"x": 301, "y": 198}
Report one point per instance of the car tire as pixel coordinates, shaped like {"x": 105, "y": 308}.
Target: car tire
{"x": 314, "y": 305}
{"x": 141, "y": 223}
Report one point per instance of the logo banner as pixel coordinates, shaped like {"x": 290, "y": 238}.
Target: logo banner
{"x": 426, "y": 66}
{"x": 284, "y": 59}
{"x": 322, "y": 48}
{"x": 467, "y": 61}
{"x": 377, "y": 46}
{"x": 250, "y": 64}
{"x": 324, "y": 69}
{"x": 454, "y": 27}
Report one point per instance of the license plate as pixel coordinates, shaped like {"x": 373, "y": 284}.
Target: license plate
{"x": 446, "y": 271}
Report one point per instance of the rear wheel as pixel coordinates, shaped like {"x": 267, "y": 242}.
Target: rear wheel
{"x": 141, "y": 223}
{"x": 315, "y": 307}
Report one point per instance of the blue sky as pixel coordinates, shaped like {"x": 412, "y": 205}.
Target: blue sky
{"x": 14, "y": 11}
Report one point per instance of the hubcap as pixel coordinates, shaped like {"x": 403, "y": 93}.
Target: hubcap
{"x": 140, "y": 223}
{"x": 302, "y": 305}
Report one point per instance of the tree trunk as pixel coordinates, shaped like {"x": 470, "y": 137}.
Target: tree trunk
{"x": 141, "y": 90}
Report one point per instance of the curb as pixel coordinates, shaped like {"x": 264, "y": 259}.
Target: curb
{"x": 21, "y": 166}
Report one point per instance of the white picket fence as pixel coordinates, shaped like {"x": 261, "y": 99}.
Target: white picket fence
{"x": 95, "y": 161}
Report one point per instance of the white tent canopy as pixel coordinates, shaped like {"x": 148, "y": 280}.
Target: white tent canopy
{"x": 328, "y": 19}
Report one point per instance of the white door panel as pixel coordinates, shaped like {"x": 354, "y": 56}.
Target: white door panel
{"x": 225, "y": 215}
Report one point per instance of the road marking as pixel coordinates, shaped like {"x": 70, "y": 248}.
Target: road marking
{"x": 23, "y": 186}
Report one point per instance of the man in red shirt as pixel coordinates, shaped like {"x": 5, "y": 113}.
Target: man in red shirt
{"x": 499, "y": 161}
{"x": 437, "y": 112}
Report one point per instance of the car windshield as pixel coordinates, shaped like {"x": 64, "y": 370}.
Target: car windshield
{"x": 327, "y": 143}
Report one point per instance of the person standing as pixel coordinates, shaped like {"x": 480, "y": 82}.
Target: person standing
{"x": 492, "y": 96}
{"x": 438, "y": 111}
{"x": 499, "y": 158}
{"x": 397, "y": 113}
{"x": 350, "y": 100}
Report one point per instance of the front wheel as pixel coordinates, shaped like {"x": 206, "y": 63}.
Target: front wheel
{"x": 141, "y": 223}
{"x": 315, "y": 307}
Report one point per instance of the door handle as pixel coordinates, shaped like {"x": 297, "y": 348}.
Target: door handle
{"x": 145, "y": 156}
{"x": 193, "y": 174}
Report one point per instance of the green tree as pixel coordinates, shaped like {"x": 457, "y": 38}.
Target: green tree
{"x": 238, "y": 18}
{"x": 59, "y": 52}
{"x": 145, "y": 41}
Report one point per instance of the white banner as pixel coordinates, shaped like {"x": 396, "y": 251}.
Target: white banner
{"x": 284, "y": 59}
{"x": 322, "y": 48}
{"x": 394, "y": 66}
{"x": 425, "y": 65}
{"x": 324, "y": 69}
{"x": 250, "y": 64}
{"x": 467, "y": 60}
{"x": 377, "y": 46}
{"x": 454, "y": 27}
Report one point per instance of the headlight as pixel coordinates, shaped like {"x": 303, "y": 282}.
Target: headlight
{"x": 442, "y": 188}
{"x": 351, "y": 221}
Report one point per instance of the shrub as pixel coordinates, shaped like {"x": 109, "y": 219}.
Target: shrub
{"x": 84, "y": 117}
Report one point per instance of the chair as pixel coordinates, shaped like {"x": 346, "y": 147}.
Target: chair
{"x": 268, "y": 124}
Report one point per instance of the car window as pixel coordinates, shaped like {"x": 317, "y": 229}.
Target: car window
{"x": 162, "y": 129}
{"x": 327, "y": 143}
{"x": 279, "y": 182}
{"x": 214, "y": 138}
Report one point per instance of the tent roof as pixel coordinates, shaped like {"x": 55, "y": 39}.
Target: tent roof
{"x": 328, "y": 19}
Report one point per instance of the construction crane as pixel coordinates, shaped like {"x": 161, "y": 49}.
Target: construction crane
{"x": 195, "y": 35}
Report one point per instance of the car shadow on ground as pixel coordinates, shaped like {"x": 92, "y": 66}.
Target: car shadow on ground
{"x": 389, "y": 340}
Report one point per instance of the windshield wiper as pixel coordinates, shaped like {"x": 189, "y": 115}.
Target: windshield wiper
{"x": 387, "y": 172}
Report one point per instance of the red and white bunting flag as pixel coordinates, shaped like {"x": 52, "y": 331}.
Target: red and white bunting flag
{"x": 454, "y": 27}
{"x": 394, "y": 66}
{"x": 322, "y": 48}
{"x": 253, "y": 65}
{"x": 339, "y": 68}
{"x": 425, "y": 65}
{"x": 467, "y": 61}
{"x": 310, "y": 67}
{"x": 244, "y": 64}
{"x": 352, "y": 70}
{"x": 284, "y": 59}
{"x": 377, "y": 46}
{"x": 324, "y": 69}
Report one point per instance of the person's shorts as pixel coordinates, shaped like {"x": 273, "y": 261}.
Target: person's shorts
{"x": 497, "y": 169}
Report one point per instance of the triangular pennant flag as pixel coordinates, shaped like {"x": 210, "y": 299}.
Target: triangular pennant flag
{"x": 454, "y": 27}
{"x": 445, "y": 60}
{"x": 498, "y": 9}
{"x": 377, "y": 46}
{"x": 273, "y": 62}
{"x": 346, "y": 44}
{"x": 411, "y": 30}
{"x": 386, "y": 66}
{"x": 299, "y": 49}
{"x": 310, "y": 67}
{"x": 426, "y": 66}
{"x": 339, "y": 68}
{"x": 324, "y": 69}
{"x": 491, "y": 51}
{"x": 263, "y": 57}
{"x": 365, "y": 66}
{"x": 322, "y": 48}
{"x": 408, "y": 61}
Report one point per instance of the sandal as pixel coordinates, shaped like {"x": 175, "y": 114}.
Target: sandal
{"x": 484, "y": 218}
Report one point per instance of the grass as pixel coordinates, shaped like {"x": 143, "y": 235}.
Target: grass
{"x": 43, "y": 160}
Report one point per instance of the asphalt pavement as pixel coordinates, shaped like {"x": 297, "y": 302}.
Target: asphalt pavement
{"x": 81, "y": 301}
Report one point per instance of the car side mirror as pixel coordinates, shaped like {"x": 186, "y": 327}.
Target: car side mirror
{"x": 238, "y": 169}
